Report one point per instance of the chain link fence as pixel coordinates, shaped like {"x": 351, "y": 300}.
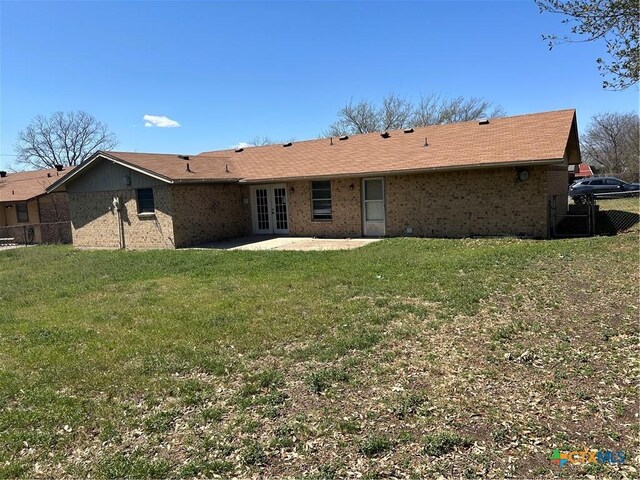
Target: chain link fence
{"x": 36, "y": 233}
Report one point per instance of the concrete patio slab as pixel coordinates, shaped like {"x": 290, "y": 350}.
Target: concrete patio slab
{"x": 290, "y": 243}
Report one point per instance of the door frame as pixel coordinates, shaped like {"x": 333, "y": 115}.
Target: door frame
{"x": 272, "y": 230}
{"x": 364, "y": 211}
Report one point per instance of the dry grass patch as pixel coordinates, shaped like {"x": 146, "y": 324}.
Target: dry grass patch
{"x": 407, "y": 358}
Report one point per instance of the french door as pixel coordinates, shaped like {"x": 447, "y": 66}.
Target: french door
{"x": 373, "y": 207}
{"x": 269, "y": 209}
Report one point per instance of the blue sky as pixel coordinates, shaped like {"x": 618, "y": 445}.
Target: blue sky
{"x": 228, "y": 72}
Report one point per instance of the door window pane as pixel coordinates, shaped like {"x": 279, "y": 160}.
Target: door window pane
{"x": 262, "y": 207}
{"x": 374, "y": 211}
{"x": 373, "y": 189}
{"x": 280, "y": 199}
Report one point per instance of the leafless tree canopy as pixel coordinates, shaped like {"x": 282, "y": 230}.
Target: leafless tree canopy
{"x": 611, "y": 143}
{"x": 396, "y": 112}
{"x": 261, "y": 141}
{"x": 435, "y": 110}
{"x": 62, "y": 139}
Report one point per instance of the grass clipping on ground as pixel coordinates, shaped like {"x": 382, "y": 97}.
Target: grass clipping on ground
{"x": 406, "y": 358}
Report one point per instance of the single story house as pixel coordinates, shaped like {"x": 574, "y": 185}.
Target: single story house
{"x": 502, "y": 176}
{"x": 578, "y": 172}
{"x": 27, "y": 213}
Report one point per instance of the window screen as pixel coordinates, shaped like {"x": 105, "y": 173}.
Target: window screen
{"x": 321, "y": 200}
{"x": 22, "y": 212}
{"x": 145, "y": 200}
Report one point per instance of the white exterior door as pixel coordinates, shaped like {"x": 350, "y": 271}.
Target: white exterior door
{"x": 270, "y": 209}
{"x": 373, "y": 207}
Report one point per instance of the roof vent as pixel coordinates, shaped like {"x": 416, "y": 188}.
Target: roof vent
{"x": 188, "y": 167}
{"x": 483, "y": 121}
{"x": 408, "y": 130}
{"x": 238, "y": 150}
{"x": 183, "y": 157}
{"x": 59, "y": 167}
{"x": 343, "y": 137}
{"x": 48, "y": 174}
{"x": 288, "y": 144}
{"x": 385, "y": 134}
{"x": 3, "y": 174}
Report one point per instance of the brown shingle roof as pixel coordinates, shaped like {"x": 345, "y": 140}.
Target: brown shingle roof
{"x": 523, "y": 139}
{"x": 174, "y": 168}
{"x": 22, "y": 186}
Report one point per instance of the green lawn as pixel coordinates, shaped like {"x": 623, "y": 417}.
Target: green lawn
{"x": 408, "y": 357}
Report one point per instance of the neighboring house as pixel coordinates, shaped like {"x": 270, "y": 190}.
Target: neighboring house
{"x": 578, "y": 172}
{"x": 27, "y": 213}
{"x": 504, "y": 176}
{"x": 583, "y": 171}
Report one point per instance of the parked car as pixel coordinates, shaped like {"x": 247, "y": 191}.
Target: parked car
{"x": 601, "y": 187}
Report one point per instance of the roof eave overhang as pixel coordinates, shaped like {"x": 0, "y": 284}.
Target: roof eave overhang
{"x": 23, "y": 199}
{"x": 181, "y": 181}
{"x": 519, "y": 163}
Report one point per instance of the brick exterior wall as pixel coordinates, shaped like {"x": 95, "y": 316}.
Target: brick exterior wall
{"x": 345, "y": 203}
{"x": 467, "y": 203}
{"x": 210, "y": 212}
{"x": 558, "y": 187}
{"x": 441, "y": 204}
{"x": 55, "y": 218}
{"x": 95, "y": 222}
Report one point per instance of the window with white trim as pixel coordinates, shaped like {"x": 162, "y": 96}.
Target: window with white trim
{"x": 321, "y": 200}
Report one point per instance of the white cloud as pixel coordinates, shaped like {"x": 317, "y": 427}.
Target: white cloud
{"x": 242, "y": 145}
{"x": 159, "y": 121}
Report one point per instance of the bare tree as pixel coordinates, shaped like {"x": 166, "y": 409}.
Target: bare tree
{"x": 436, "y": 110}
{"x": 428, "y": 111}
{"x": 260, "y": 141}
{"x": 611, "y": 142}
{"x": 396, "y": 113}
{"x": 613, "y": 21}
{"x": 361, "y": 117}
{"x": 62, "y": 139}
